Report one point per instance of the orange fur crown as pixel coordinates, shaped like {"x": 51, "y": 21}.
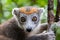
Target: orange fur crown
{"x": 28, "y": 12}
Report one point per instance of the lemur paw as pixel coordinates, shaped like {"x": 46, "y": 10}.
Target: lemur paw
{"x": 51, "y": 37}
{"x": 48, "y": 35}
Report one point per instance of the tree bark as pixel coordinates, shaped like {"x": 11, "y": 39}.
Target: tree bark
{"x": 50, "y": 13}
{"x": 57, "y": 18}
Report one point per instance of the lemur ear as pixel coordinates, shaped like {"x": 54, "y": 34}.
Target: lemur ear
{"x": 40, "y": 10}
{"x": 15, "y": 11}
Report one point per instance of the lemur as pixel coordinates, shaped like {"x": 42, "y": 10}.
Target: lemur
{"x": 25, "y": 25}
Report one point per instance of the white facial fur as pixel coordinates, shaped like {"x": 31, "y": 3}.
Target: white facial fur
{"x": 28, "y": 23}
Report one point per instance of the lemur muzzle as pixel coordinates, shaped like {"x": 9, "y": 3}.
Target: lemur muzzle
{"x": 29, "y": 29}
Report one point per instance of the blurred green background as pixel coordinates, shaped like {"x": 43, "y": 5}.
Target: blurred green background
{"x": 6, "y": 7}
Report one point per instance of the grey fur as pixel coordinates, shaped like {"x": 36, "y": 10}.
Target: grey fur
{"x": 29, "y": 23}
{"x": 14, "y": 29}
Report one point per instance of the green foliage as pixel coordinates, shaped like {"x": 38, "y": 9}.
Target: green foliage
{"x": 6, "y": 7}
{"x": 58, "y": 34}
{"x": 42, "y": 2}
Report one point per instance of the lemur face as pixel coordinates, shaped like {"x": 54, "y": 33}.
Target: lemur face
{"x": 27, "y": 17}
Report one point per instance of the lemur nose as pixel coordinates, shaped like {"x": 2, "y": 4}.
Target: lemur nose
{"x": 29, "y": 29}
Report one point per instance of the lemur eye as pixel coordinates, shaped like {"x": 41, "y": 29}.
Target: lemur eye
{"x": 23, "y": 19}
{"x": 34, "y": 18}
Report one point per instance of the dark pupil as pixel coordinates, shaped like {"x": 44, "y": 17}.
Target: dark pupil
{"x": 34, "y": 18}
{"x": 23, "y": 19}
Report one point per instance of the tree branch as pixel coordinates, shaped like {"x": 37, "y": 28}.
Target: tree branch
{"x": 57, "y": 18}
{"x": 50, "y": 13}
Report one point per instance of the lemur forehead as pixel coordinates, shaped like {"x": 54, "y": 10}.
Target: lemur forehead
{"x": 28, "y": 10}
